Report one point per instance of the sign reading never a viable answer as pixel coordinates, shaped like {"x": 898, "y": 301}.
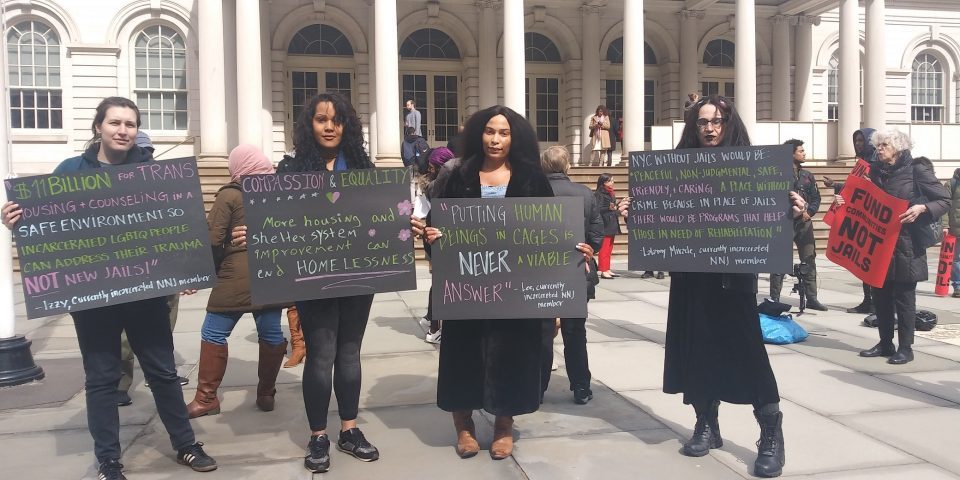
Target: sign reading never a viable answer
{"x": 712, "y": 209}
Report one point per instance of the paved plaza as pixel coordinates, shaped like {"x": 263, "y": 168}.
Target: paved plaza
{"x": 845, "y": 417}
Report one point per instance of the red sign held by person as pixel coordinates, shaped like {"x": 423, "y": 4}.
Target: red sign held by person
{"x": 861, "y": 169}
{"x": 865, "y": 230}
{"x": 947, "y": 252}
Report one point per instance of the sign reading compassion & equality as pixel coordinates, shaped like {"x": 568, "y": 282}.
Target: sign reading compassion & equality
{"x": 110, "y": 235}
{"x": 328, "y": 234}
{"x": 508, "y": 258}
{"x": 724, "y": 209}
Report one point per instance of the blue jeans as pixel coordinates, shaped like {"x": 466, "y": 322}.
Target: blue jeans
{"x": 955, "y": 274}
{"x": 217, "y": 326}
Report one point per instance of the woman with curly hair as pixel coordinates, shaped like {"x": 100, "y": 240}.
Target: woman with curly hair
{"x": 328, "y": 137}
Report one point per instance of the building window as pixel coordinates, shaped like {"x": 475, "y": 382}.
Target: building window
{"x": 720, "y": 53}
{"x": 540, "y": 49}
{"x": 615, "y": 99}
{"x": 318, "y": 39}
{"x": 429, "y": 43}
{"x": 832, "y": 78}
{"x": 615, "y": 53}
{"x": 36, "y": 99}
{"x": 926, "y": 89}
{"x": 161, "y": 78}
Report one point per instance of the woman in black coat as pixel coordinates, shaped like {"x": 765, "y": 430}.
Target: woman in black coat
{"x": 606, "y": 202}
{"x": 897, "y": 174}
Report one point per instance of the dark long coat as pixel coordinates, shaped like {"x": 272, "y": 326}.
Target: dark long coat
{"x": 491, "y": 364}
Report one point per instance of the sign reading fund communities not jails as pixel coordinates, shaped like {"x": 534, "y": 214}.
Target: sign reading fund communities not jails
{"x": 711, "y": 209}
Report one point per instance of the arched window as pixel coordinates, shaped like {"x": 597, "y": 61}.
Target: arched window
{"x": 833, "y": 71}
{"x": 36, "y": 99}
{"x": 319, "y": 39}
{"x": 719, "y": 53}
{"x": 429, "y": 43}
{"x": 926, "y": 89}
{"x": 615, "y": 53}
{"x": 160, "y": 58}
{"x": 540, "y": 49}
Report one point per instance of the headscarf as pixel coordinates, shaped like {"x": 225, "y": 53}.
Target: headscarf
{"x": 440, "y": 155}
{"x": 247, "y": 160}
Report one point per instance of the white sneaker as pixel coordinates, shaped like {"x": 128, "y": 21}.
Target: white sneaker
{"x": 554, "y": 367}
{"x": 425, "y": 323}
{"x": 433, "y": 337}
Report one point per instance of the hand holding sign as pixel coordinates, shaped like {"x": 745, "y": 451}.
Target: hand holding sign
{"x": 11, "y": 213}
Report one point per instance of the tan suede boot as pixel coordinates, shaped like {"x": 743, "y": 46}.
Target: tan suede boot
{"x": 298, "y": 349}
{"x": 467, "y": 445}
{"x": 502, "y": 446}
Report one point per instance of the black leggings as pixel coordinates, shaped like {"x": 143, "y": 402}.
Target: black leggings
{"x": 333, "y": 331}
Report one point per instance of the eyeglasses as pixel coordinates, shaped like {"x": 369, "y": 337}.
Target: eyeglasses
{"x": 716, "y": 122}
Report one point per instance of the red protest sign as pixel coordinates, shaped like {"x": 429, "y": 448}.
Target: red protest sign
{"x": 947, "y": 251}
{"x": 864, "y": 234}
{"x": 861, "y": 169}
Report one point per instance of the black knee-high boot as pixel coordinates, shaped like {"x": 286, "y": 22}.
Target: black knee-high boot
{"x": 706, "y": 434}
{"x": 771, "y": 456}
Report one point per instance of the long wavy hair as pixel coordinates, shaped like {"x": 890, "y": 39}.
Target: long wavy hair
{"x": 307, "y": 156}
{"x": 524, "y": 155}
{"x": 601, "y": 180}
{"x": 735, "y": 132}
{"x": 107, "y": 104}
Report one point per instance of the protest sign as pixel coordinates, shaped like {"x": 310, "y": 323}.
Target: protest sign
{"x": 328, "y": 234}
{"x": 944, "y": 265}
{"x": 860, "y": 169}
{"x": 110, "y": 235}
{"x": 712, "y": 210}
{"x": 508, "y": 258}
{"x": 864, "y": 233}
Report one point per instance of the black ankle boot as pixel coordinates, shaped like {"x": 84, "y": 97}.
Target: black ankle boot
{"x": 771, "y": 456}
{"x": 706, "y": 434}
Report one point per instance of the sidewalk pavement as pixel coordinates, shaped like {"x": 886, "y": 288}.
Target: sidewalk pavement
{"x": 845, "y": 417}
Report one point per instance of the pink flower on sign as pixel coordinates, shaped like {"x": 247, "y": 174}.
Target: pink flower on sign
{"x": 404, "y": 235}
{"x": 372, "y": 232}
{"x": 405, "y": 208}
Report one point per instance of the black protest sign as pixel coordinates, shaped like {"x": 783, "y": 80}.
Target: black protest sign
{"x": 723, "y": 209}
{"x": 508, "y": 258}
{"x": 111, "y": 235}
{"x": 328, "y": 234}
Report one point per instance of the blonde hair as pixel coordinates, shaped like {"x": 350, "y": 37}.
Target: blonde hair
{"x": 555, "y": 159}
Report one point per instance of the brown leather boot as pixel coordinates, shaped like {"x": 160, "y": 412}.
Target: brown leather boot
{"x": 213, "y": 363}
{"x": 271, "y": 356}
{"x": 298, "y": 350}
{"x": 502, "y": 446}
{"x": 467, "y": 445}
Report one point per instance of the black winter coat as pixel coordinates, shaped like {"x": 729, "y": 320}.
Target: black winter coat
{"x": 611, "y": 218}
{"x": 592, "y": 221}
{"x": 909, "y": 264}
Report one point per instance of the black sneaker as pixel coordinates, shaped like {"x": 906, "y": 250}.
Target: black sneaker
{"x": 195, "y": 458}
{"x": 111, "y": 470}
{"x": 317, "y": 459}
{"x": 353, "y": 442}
{"x": 123, "y": 399}
{"x": 582, "y": 395}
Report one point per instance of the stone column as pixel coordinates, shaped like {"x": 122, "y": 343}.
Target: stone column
{"x": 803, "y": 98}
{"x": 488, "y": 52}
{"x": 875, "y": 71}
{"x": 249, "y": 74}
{"x": 745, "y": 66}
{"x": 8, "y": 312}
{"x": 781, "y": 67}
{"x": 689, "y": 60}
{"x": 848, "y": 98}
{"x": 633, "y": 76}
{"x": 590, "y": 84}
{"x": 372, "y": 117}
{"x": 213, "y": 103}
{"x": 388, "y": 83}
{"x": 514, "y": 60}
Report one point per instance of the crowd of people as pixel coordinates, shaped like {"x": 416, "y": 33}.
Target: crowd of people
{"x": 714, "y": 350}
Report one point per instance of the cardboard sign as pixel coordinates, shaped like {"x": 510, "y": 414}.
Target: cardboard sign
{"x": 328, "y": 234}
{"x": 864, "y": 234}
{"x": 944, "y": 266}
{"x": 111, "y": 235}
{"x": 508, "y": 258}
{"x": 712, "y": 210}
{"x": 862, "y": 170}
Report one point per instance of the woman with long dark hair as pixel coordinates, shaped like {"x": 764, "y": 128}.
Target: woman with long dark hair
{"x": 492, "y": 364}
{"x": 606, "y": 202}
{"x": 328, "y": 137}
{"x": 146, "y": 322}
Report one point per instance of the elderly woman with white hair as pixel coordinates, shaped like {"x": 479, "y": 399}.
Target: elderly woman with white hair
{"x": 897, "y": 174}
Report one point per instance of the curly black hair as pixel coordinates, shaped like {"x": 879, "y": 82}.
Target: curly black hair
{"x": 524, "y": 154}
{"x": 307, "y": 157}
{"x": 735, "y": 134}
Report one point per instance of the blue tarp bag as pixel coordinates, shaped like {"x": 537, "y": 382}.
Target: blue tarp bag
{"x": 781, "y": 329}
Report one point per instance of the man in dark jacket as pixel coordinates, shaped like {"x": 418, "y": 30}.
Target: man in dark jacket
{"x": 805, "y": 184}
{"x": 555, "y": 162}
{"x": 414, "y": 146}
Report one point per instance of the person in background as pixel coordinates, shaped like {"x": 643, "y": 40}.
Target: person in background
{"x": 606, "y": 203}
{"x": 954, "y": 224}
{"x": 600, "y": 134}
{"x": 412, "y": 118}
{"x": 806, "y": 185}
{"x": 230, "y": 297}
{"x": 147, "y": 322}
{"x": 614, "y": 135}
{"x": 413, "y": 147}
{"x": 864, "y": 151}
{"x": 438, "y": 157}
{"x": 692, "y": 99}
{"x": 556, "y": 163}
